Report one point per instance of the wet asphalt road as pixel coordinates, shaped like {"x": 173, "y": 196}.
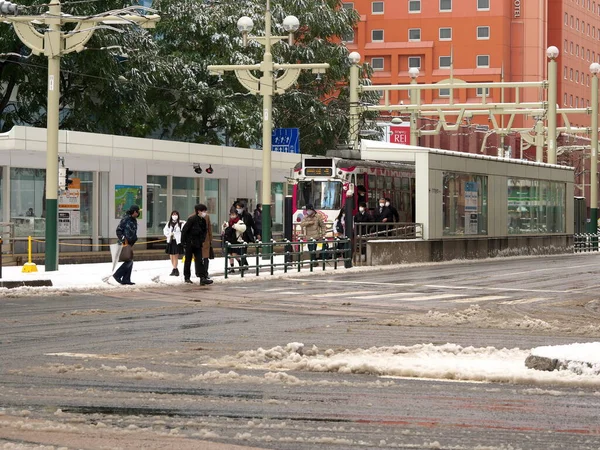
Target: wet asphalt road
{"x": 130, "y": 370}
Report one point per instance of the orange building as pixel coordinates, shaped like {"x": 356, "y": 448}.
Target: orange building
{"x": 480, "y": 41}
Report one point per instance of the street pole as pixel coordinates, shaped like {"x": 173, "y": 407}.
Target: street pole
{"x": 353, "y": 122}
{"x": 552, "y": 53}
{"x": 594, "y": 68}
{"x": 53, "y": 44}
{"x": 267, "y": 86}
{"x": 415, "y": 99}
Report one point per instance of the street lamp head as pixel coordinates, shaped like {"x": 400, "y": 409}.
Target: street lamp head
{"x": 595, "y": 68}
{"x": 397, "y": 120}
{"x": 413, "y": 72}
{"x": 552, "y": 52}
{"x": 290, "y": 24}
{"x": 354, "y": 58}
{"x": 245, "y": 24}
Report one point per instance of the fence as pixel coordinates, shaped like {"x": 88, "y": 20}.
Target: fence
{"x": 369, "y": 231}
{"x": 289, "y": 255}
{"x": 585, "y": 242}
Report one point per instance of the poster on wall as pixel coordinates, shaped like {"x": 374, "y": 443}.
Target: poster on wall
{"x": 471, "y": 199}
{"x": 125, "y": 196}
{"x": 69, "y": 206}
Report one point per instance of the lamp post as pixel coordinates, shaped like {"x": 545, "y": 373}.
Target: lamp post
{"x": 53, "y": 44}
{"x": 415, "y": 97}
{"x": 354, "y": 59}
{"x": 552, "y": 53}
{"x": 594, "y": 69}
{"x": 267, "y": 86}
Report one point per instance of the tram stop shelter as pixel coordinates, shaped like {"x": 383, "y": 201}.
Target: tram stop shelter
{"x": 478, "y": 206}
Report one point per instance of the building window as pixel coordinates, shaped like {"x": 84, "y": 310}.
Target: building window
{"x": 483, "y": 5}
{"x": 445, "y": 34}
{"x": 571, "y": 47}
{"x": 565, "y": 73}
{"x": 377, "y": 8}
{"x": 571, "y": 74}
{"x": 445, "y": 92}
{"x": 572, "y": 21}
{"x": 483, "y": 60}
{"x": 566, "y": 46}
{"x": 536, "y": 206}
{"x": 377, "y": 64}
{"x": 348, "y": 5}
{"x": 414, "y": 61}
{"x": 571, "y": 100}
{"x": 565, "y": 100}
{"x": 188, "y": 191}
{"x": 348, "y": 37}
{"x": 445, "y": 62}
{"x": 377, "y": 36}
{"x": 414, "y": 34}
{"x": 480, "y": 92}
{"x": 577, "y": 24}
{"x": 577, "y": 50}
{"x": 483, "y": 32}
{"x": 414, "y": 6}
{"x": 566, "y": 19}
{"x": 577, "y": 76}
{"x": 156, "y": 204}
{"x": 445, "y": 5}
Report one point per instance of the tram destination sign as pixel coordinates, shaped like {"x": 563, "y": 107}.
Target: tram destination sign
{"x": 318, "y": 171}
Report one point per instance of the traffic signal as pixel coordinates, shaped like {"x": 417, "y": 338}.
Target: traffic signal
{"x": 68, "y": 180}
{"x": 8, "y": 8}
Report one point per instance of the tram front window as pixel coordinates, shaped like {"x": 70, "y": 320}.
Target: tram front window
{"x": 321, "y": 194}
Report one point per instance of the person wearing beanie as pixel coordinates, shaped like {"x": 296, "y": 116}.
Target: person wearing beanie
{"x": 127, "y": 235}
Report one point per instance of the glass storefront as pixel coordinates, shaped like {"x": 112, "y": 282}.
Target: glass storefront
{"x": 277, "y": 204}
{"x": 536, "y": 206}
{"x": 156, "y": 204}
{"x": 86, "y": 201}
{"x": 465, "y": 204}
{"x": 28, "y": 201}
{"x": 188, "y": 192}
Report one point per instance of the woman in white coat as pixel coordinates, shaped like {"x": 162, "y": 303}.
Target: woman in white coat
{"x": 172, "y": 232}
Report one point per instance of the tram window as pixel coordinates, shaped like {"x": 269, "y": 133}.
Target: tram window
{"x": 388, "y": 183}
{"x": 321, "y": 194}
{"x": 380, "y": 182}
{"x": 405, "y": 183}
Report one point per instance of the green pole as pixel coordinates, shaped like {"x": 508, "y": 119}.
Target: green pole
{"x": 53, "y": 39}
{"x": 594, "y": 153}
{"x": 266, "y": 90}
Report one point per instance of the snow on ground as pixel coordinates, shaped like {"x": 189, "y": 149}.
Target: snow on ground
{"x": 449, "y": 361}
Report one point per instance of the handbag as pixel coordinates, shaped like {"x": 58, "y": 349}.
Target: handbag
{"x": 211, "y": 253}
{"x": 126, "y": 253}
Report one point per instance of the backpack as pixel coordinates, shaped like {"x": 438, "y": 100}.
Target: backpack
{"x": 339, "y": 227}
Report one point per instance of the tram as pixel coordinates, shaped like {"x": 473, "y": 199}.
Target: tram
{"x": 326, "y": 182}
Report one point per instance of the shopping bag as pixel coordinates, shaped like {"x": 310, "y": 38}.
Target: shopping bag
{"x": 126, "y": 253}
{"x": 211, "y": 253}
{"x": 115, "y": 253}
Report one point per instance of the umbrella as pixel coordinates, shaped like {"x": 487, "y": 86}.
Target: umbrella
{"x": 115, "y": 253}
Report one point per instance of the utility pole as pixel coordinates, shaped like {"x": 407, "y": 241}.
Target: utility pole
{"x": 53, "y": 42}
{"x": 267, "y": 86}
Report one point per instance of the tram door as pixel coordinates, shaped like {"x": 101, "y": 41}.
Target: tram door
{"x": 580, "y": 215}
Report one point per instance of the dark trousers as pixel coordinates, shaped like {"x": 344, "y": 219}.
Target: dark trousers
{"x": 205, "y": 261}
{"x": 123, "y": 273}
{"x": 312, "y": 249}
{"x": 196, "y": 252}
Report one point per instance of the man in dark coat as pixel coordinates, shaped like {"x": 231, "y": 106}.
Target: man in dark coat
{"x": 258, "y": 222}
{"x": 393, "y": 210}
{"x": 193, "y": 235}
{"x": 127, "y": 235}
{"x": 246, "y": 217}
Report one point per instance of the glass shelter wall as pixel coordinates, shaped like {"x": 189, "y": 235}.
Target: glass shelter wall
{"x": 465, "y": 204}
{"x": 156, "y": 204}
{"x": 28, "y": 201}
{"x": 536, "y": 206}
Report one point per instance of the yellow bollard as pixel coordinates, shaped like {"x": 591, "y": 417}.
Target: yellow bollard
{"x": 29, "y": 266}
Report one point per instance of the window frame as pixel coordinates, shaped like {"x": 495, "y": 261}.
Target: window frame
{"x": 373, "y": 12}
{"x": 378, "y": 58}
{"x": 444, "y": 10}
{"x": 382, "y": 35}
{"x": 414, "y": 39}
{"x": 445, "y": 66}
{"x": 415, "y": 2}
{"x": 483, "y": 8}
{"x": 482, "y": 66}
{"x": 483, "y": 38}
{"x": 414, "y": 58}
{"x": 440, "y": 38}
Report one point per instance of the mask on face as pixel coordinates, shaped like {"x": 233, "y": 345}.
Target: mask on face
{"x": 361, "y": 209}
{"x": 310, "y": 212}
{"x": 174, "y": 218}
{"x": 387, "y": 203}
{"x": 239, "y": 210}
{"x": 381, "y": 205}
{"x": 203, "y": 214}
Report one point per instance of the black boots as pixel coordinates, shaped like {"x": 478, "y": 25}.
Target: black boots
{"x": 175, "y": 273}
{"x": 205, "y": 281}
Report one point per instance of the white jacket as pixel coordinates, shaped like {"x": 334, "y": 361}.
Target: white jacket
{"x": 239, "y": 227}
{"x": 173, "y": 232}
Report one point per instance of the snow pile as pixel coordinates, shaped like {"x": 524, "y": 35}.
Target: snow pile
{"x": 581, "y": 359}
{"x": 448, "y": 361}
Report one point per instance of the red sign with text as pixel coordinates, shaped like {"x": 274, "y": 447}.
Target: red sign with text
{"x": 399, "y": 135}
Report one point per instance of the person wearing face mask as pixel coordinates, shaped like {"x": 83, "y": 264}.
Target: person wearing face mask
{"x": 233, "y": 231}
{"x": 207, "y": 249}
{"x": 383, "y": 213}
{"x": 193, "y": 235}
{"x": 363, "y": 216}
{"x": 393, "y": 210}
{"x": 313, "y": 227}
{"x": 172, "y": 232}
{"x": 246, "y": 217}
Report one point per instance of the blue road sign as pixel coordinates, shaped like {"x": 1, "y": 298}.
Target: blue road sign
{"x": 285, "y": 140}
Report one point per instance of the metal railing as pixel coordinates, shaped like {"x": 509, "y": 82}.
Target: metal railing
{"x": 291, "y": 255}
{"x": 585, "y": 242}
{"x": 371, "y": 231}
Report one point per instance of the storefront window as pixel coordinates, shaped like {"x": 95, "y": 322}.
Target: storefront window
{"x": 277, "y": 201}
{"x": 27, "y": 201}
{"x": 75, "y": 206}
{"x": 1, "y": 194}
{"x": 465, "y": 204}
{"x": 156, "y": 201}
{"x": 188, "y": 192}
{"x": 536, "y": 206}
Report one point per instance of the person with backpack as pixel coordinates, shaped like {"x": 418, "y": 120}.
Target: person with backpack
{"x": 193, "y": 236}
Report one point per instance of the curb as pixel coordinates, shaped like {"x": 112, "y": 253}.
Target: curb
{"x": 29, "y": 283}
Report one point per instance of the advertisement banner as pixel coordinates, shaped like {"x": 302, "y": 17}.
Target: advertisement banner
{"x": 125, "y": 196}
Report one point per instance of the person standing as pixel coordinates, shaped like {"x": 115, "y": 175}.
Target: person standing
{"x": 246, "y": 217}
{"x": 257, "y": 217}
{"x": 393, "y": 210}
{"x": 313, "y": 227}
{"x": 172, "y": 232}
{"x": 207, "y": 250}
{"x": 127, "y": 235}
{"x": 363, "y": 216}
{"x": 193, "y": 236}
{"x": 233, "y": 231}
